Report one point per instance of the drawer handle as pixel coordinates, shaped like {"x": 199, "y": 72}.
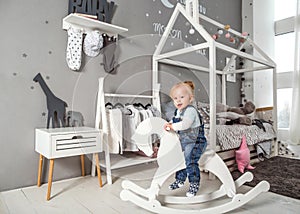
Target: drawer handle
{"x": 77, "y": 137}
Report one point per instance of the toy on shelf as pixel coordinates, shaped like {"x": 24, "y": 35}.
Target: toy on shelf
{"x": 74, "y": 119}
{"x": 56, "y": 107}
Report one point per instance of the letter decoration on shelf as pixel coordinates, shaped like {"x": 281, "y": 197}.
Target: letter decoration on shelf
{"x": 101, "y": 8}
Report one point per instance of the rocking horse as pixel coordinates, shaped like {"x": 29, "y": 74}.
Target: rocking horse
{"x": 170, "y": 159}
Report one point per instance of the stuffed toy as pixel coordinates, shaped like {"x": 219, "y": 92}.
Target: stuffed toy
{"x": 236, "y": 114}
{"x": 248, "y": 108}
{"x": 242, "y": 156}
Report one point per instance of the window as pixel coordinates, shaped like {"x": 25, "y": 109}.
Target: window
{"x": 284, "y": 58}
{"x": 284, "y": 97}
{"x": 285, "y": 9}
{"x": 284, "y": 54}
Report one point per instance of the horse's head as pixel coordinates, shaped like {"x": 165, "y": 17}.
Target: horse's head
{"x": 153, "y": 125}
{"x": 169, "y": 141}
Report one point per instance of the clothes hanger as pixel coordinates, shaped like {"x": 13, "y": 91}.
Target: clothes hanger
{"x": 118, "y": 105}
{"x": 109, "y": 105}
{"x": 148, "y": 105}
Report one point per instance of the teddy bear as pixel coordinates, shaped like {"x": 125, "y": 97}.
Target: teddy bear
{"x": 238, "y": 115}
{"x": 248, "y": 108}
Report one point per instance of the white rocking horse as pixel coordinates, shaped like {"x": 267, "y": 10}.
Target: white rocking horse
{"x": 170, "y": 159}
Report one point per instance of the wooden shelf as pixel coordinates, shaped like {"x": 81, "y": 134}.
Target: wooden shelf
{"x": 88, "y": 24}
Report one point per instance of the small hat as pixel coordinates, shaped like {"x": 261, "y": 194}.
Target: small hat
{"x": 92, "y": 44}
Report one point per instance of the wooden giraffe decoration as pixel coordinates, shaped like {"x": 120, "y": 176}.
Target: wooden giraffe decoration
{"x": 56, "y": 107}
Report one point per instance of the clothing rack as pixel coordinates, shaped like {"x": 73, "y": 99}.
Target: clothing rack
{"x": 116, "y": 161}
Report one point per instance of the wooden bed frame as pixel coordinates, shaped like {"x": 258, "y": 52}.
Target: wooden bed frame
{"x": 261, "y": 62}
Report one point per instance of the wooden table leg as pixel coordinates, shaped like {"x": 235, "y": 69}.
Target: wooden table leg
{"x": 82, "y": 165}
{"x": 50, "y": 176}
{"x": 40, "y": 170}
{"x": 98, "y": 169}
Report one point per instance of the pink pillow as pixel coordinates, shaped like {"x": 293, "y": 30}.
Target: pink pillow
{"x": 242, "y": 156}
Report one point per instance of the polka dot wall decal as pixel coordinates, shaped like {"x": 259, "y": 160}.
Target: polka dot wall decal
{"x": 46, "y": 22}
{"x": 47, "y": 77}
{"x": 32, "y": 87}
{"x": 44, "y": 114}
{"x": 15, "y": 74}
{"x": 50, "y": 52}
{"x": 24, "y": 55}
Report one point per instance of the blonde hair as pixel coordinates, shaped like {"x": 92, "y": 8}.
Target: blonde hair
{"x": 191, "y": 84}
{"x": 188, "y": 85}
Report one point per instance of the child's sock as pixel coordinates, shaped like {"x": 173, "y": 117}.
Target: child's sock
{"x": 176, "y": 184}
{"x": 194, "y": 187}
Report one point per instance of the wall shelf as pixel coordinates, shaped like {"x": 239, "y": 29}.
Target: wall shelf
{"x": 88, "y": 24}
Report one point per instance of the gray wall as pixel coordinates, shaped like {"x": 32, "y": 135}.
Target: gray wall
{"x": 32, "y": 41}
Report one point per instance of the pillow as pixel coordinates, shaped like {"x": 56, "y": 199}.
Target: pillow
{"x": 242, "y": 156}
{"x": 229, "y": 115}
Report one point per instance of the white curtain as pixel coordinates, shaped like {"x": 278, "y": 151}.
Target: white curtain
{"x": 295, "y": 111}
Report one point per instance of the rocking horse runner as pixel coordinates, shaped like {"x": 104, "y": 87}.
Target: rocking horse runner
{"x": 170, "y": 159}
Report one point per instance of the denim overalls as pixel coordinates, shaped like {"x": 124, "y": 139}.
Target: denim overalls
{"x": 193, "y": 144}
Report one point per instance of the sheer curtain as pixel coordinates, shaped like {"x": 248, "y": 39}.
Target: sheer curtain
{"x": 295, "y": 111}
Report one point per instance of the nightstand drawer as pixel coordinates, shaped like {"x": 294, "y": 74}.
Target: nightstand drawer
{"x": 64, "y": 142}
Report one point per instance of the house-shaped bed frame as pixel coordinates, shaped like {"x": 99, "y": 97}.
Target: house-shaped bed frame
{"x": 150, "y": 198}
{"x": 191, "y": 13}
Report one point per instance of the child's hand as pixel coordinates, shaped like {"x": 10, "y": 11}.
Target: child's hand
{"x": 168, "y": 126}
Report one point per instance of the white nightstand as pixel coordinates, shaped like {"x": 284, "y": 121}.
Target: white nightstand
{"x": 66, "y": 142}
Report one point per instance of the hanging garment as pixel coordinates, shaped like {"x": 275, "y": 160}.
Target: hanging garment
{"x": 129, "y": 126}
{"x": 92, "y": 44}
{"x": 74, "y": 48}
{"x": 109, "y": 61}
{"x": 115, "y": 131}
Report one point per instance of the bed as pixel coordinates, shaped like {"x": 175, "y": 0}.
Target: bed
{"x": 220, "y": 137}
{"x": 229, "y": 136}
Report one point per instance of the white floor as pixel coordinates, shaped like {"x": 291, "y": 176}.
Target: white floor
{"x": 83, "y": 195}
